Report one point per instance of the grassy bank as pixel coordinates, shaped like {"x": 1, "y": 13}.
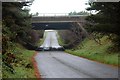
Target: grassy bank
{"x": 60, "y": 40}
{"x": 91, "y": 50}
{"x": 23, "y": 67}
{"x": 41, "y": 41}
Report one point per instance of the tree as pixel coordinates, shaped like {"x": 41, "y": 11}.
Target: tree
{"x": 79, "y": 13}
{"x": 16, "y": 28}
{"x": 107, "y": 19}
{"x": 36, "y": 14}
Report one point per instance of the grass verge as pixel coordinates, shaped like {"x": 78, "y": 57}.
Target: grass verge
{"x": 60, "y": 41}
{"x": 23, "y": 67}
{"x": 41, "y": 41}
{"x": 91, "y": 50}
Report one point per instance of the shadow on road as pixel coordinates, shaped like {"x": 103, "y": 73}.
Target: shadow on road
{"x": 49, "y": 49}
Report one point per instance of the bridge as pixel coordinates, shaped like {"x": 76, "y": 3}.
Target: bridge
{"x": 56, "y": 22}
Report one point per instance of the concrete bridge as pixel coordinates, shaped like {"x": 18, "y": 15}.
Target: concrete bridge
{"x": 56, "y": 22}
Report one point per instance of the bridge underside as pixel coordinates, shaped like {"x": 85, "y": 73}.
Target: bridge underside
{"x": 54, "y": 26}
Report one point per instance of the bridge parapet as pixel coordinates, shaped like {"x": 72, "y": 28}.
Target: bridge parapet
{"x": 53, "y": 14}
{"x": 54, "y": 19}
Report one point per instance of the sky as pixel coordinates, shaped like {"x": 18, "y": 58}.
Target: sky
{"x": 58, "y": 6}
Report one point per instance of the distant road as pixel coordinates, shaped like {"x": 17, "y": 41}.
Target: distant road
{"x": 58, "y": 64}
{"x": 50, "y": 40}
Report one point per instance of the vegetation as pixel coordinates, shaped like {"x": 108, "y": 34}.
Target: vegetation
{"x": 60, "y": 40}
{"x": 91, "y": 50}
{"x": 79, "y": 13}
{"x": 22, "y": 66}
{"x": 106, "y": 20}
{"x": 16, "y": 31}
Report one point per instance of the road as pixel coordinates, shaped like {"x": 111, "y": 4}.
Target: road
{"x": 58, "y": 64}
{"x": 50, "y": 39}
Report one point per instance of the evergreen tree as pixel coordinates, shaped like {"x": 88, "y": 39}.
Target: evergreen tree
{"x": 106, "y": 20}
{"x": 16, "y": 28}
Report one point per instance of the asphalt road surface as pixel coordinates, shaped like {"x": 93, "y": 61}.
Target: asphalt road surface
{"x": 50, "y": 40}
{"x": 58, "y": 64}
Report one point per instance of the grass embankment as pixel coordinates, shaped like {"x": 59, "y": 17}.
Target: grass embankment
{"x": 23, "y": 66}
{"x": 92, "y": 50}
{"x": 41, "y": 41}
{"x": 60, "y": 40}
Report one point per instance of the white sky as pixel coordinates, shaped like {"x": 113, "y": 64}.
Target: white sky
{"x": 58, "y": 6}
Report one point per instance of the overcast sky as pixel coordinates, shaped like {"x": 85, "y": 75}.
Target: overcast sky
{"x": 58, "y": 6}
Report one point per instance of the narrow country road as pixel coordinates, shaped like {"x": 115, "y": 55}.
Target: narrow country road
{"x": 50, "y": 39}
{"x": 58, "y": 64}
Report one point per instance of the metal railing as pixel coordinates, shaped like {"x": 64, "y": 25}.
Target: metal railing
{"x": 56, "y": 14}
{"x": 53, "y": 14}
